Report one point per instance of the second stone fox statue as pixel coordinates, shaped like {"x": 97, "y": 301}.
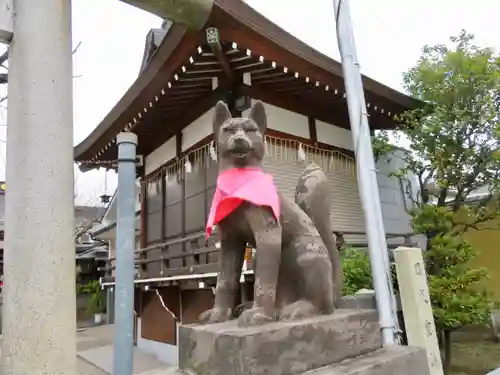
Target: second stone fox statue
{"x": 297, "y": 267}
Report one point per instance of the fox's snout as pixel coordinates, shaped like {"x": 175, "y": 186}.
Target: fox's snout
{"x": 239, "y": 142}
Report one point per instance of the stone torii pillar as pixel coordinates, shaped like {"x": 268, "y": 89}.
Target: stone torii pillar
{"x": 39, "y": 310}
{"x": 39, "y": 304}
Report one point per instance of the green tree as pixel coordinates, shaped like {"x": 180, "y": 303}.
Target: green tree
{"x": 454, "y": 138}
{"x": 455, "y": 133}
{"x": 457, "y": 294}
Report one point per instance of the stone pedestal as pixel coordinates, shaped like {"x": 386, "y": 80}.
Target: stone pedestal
{"x": 396, "y": 360}
{"x": 281, "y": 348}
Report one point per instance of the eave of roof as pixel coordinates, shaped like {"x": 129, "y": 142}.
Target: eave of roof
{"x": 105, "y": 228}
{"x": 245, "y": 15}
{"x": 179, "y": 42}
{"x": 147, "y": 84}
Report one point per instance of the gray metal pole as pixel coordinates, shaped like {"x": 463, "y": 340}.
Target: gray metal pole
{"x": 39, "y": 304}
{"x": 125, "y": 248}
{"x": 367, "y": 178}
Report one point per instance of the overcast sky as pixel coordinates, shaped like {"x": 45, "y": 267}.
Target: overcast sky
{"x": 389, "y": 35}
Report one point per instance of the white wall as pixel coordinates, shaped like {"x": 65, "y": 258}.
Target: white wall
{"x": 191, "y": 134}
{"x": 296, "y": 124}
{"x": 197, "y": 130}
{"x": 285, "y": 121}
{"x": 160, "y": 156}
{"x": 334, "y": 135}
{"x": 165, "y": 352}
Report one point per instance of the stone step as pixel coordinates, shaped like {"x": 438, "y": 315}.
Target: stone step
{"x": 396, "y": 360}
{"x": 281, "y": 348}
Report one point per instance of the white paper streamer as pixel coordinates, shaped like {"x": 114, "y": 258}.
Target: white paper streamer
{"x": 301, "y": 155}
{"x": 212, "y": 152}
{"x": 188, "y": 166}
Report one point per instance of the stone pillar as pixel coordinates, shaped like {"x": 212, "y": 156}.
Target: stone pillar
{"x": 39, "y": 311}
{"x": 416, "y": 303}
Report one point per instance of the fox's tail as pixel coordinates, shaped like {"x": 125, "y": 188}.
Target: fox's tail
{"x": 312, "y": 194}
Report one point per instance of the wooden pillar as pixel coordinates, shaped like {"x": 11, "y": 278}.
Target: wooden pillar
{"x": 313, "y": 134}
{"x": 143, "y": 237}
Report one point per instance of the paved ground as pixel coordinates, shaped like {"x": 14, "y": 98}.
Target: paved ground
{"x": 94, "y": 346}
{"x": 85, "y": 368}
{"x": 92, "y": 338}
{"x": 84, "y": 339}
{"x": 102, "y": 357}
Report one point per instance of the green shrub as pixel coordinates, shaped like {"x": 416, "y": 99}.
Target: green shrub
{"x": 96, "y": 298}
{"x": 357, "y": 270}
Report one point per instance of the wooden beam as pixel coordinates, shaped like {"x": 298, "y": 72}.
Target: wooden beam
{"x": 333, "y": 113}
{"x": 213, "y": 40}
{"x": 178, "y": 143}
{"x": 183, "y": 117}
{"x": 313, "y": 134}
{"x": 163, "y": 208}
{"x": 143, "y": 216}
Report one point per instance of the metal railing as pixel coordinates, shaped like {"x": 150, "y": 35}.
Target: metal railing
{"x": 192, "y": 257}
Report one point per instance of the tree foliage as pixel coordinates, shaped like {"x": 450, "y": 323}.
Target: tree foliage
{"x": 456, "y": 290}
{"x": 454, "y": 138}
{"x": 455, "y": 134}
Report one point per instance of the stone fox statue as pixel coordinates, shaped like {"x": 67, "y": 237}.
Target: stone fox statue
{"x": 297, "y": 267}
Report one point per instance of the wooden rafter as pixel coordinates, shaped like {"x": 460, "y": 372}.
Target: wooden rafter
{"x": 213, "y": 41}
{"x": 188, "y": 65}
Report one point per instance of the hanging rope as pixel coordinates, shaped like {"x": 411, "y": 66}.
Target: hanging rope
{"x": 276, "y": 148}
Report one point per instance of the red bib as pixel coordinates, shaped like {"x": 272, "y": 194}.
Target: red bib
{"x": 238, "y": 185}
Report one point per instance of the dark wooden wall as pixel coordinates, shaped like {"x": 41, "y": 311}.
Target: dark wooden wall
{"x": 195, "y": 302}
{"x": 178, "y": 207}
{"x": 156, "y": 323}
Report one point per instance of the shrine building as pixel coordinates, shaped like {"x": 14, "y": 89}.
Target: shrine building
{"x": 239, "y": 57}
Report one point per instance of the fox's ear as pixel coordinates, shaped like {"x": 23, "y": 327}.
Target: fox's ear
{"x": 221, "y": 115}
{"x": 258, "y": 115}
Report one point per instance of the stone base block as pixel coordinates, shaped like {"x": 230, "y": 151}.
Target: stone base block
{"x": 364, "y": 301}
{"x": 396, "y": 360}
{"x": 281, "y": 348}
